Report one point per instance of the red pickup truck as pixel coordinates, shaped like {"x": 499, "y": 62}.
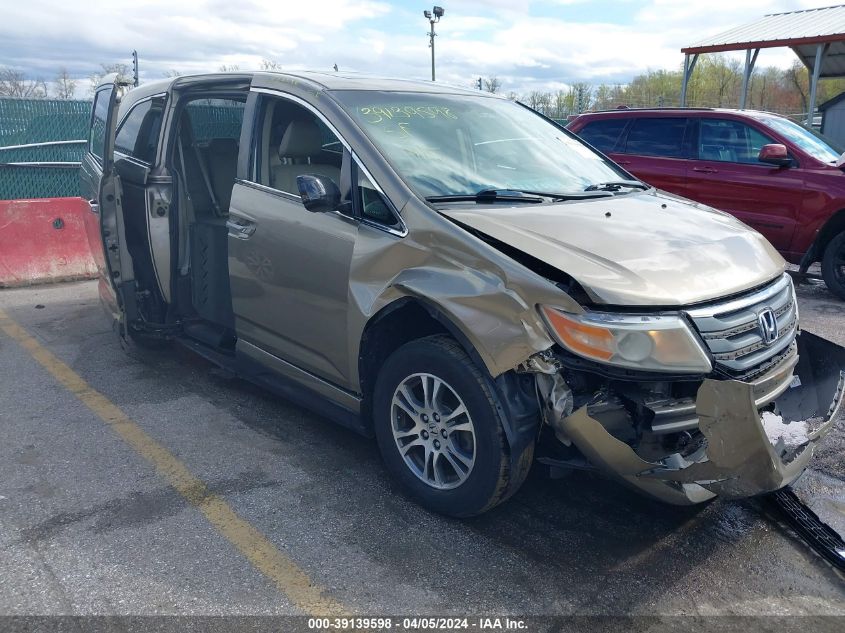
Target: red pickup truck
{"x": 773, "y": 174}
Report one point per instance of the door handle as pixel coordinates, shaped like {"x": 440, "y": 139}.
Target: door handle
{"x": 705, "y": 170}
{"x": 241, "y": 230}
{"x": 623, "y": 162}
{"x": 95, "y": 206}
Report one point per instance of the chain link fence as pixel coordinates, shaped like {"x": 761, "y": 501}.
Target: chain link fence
{"x": 41, "y": 147}
{"x": 215, "y": 118}
{"x": 42, "y": 142}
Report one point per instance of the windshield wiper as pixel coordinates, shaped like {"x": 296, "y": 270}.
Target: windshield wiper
{"x": 518, "y": 195}
{"x": 616, "y": 185}
{"x": 573, "y": 195}
{"x": 490, "y": 195}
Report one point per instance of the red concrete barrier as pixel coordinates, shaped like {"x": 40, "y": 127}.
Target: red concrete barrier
{"x": 43, "y": 241}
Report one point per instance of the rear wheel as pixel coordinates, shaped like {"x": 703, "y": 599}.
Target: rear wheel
{"x": 833, "y": 265}
{"x": 439, "y": 430}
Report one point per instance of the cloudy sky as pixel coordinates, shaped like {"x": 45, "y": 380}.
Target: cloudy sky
{"x": 528, "y": 44}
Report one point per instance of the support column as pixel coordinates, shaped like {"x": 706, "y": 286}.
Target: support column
{"x": 750, "y": 60}
{"x": 689, "y": 66}
{"x": 821, "y": 51}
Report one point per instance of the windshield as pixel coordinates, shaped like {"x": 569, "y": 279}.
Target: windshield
{"x": 813, "y": 143}
{"x": 454, "y": 145}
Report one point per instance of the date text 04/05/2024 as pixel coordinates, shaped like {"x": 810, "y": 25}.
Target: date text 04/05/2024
{"x": 417, "y": 623}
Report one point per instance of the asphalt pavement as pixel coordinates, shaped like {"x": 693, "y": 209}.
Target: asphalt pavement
{"x": 139, "y": 482}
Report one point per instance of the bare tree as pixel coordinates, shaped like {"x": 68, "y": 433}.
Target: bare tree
{"x": 225, "y": 68}
{"x": 64, "y": 85}
{"x": 513, "y": 96}
{"x": 797, "y": 75}
{"x": 603, "y": 97}
{"x": 122, "y": 70}
{"x": 724, "y": 76}
{"x": 729, "y": 79}
{"x": 492, "y": 84}
{"x": 172, "y": 73}
{"x": 271, "y": 64}
{"x": 544, "y": 103}
{"x": 562, "y": 104}
{"x": 14, "y": 83}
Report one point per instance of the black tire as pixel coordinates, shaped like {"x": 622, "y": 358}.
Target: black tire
{"x": 493, "y": 477}
{"x": 833, "y": 265}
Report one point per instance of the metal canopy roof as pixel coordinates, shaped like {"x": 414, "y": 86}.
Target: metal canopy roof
{"x": 802, "y": 31}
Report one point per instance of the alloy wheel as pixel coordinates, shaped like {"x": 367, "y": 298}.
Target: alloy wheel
{"x": 433, "y": 431}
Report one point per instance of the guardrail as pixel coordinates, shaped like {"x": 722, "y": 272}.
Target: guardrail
{"x": 41, "y": 163}
{"x": 74, "y": 165}
{"x": 44, "y": 144}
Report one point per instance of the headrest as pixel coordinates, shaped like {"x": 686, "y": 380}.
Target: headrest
{"x": 727, "y": 134}
{"x": 223, "y": 146}
{"x": 301, "y": 139}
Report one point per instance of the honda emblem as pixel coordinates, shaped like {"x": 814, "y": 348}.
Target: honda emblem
{"x": 768, "y": 323}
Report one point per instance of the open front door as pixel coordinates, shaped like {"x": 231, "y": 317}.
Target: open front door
{"x": 102, "y": 188}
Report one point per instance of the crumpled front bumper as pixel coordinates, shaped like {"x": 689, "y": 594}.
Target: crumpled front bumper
{"x": 738, "y": 459}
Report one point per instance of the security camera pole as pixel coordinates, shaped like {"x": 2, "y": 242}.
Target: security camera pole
{"x": 433, "y": 16}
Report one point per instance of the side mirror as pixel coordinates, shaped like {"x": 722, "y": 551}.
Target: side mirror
{"x": 775, "y": 154}
{"x": 318, "y": 193}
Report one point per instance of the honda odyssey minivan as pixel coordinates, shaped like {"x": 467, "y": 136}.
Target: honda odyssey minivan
{"x": 457, "y": 276}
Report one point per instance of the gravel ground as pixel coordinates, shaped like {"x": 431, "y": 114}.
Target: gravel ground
{"x": 89, "y": 527}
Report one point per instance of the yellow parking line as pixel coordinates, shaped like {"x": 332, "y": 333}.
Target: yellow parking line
{"x": 290, "y": 579}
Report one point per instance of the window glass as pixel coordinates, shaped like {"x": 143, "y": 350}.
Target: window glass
{"x": 816, "y": 145}
{"x": 215, "y": 118}
{"x": 97, "y": 133}
{"x": 207, "y": 151}
{"x": 729, "y": 141}
{"x": 373, "y": 205}
{"x": 604, "y": 134}
{"x": 330, "y": 142}
{"x": 657, "y": 137}
{"x": 137, "y": 135}
{"x": 293, "y": 142}
{"x": 444, "y": 144}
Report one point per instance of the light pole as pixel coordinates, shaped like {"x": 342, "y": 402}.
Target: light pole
{"x": 433, "y": 16}
{"x": 135, "y": 68}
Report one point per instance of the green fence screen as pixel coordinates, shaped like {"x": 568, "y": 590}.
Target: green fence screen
{"x": 215, "y": 118}
{"x": 57, "y": 123}
{"x": 34, "y": 121}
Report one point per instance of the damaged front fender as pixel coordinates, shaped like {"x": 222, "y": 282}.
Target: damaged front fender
{"x": 738, "y": 459}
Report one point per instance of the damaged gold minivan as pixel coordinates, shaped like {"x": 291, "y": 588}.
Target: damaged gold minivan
{"x": 458, "y": 276}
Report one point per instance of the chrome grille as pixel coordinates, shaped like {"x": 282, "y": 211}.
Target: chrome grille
{"x": 732, "y": 332}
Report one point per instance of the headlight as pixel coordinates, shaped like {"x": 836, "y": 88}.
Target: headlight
{"x": 645, "y": 342}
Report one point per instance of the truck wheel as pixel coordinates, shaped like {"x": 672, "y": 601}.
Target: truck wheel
{"x": 833, "y": 265}
{"x": 439, "y": 430}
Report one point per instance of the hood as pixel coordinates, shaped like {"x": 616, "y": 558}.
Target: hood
{"x": 638, "y": 249}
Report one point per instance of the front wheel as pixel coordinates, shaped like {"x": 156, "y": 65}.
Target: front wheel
{"x": 439, "y": 430}
{"x": 833, "y": 265}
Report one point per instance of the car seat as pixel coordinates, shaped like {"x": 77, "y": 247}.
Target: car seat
{"x": 301, "y": 146}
